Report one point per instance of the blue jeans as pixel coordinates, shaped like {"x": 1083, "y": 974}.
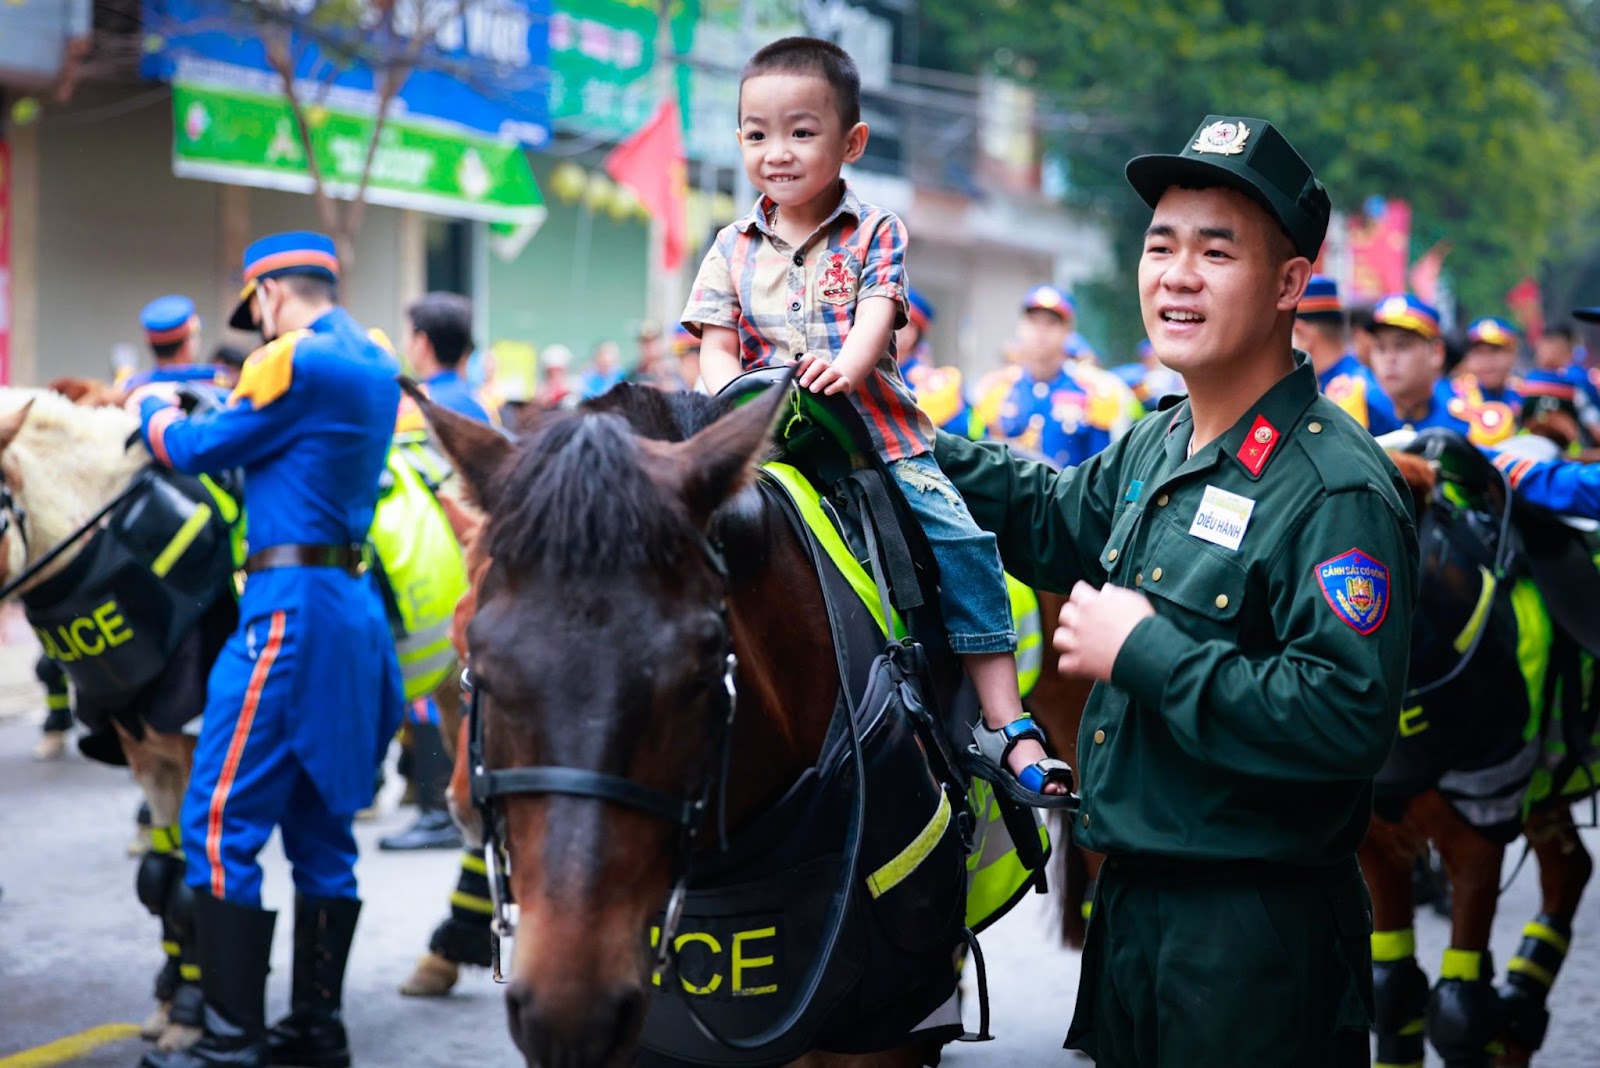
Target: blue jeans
{"x": 972, "y": 587}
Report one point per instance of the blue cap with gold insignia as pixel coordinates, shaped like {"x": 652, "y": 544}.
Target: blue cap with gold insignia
{"x": 1320, "y": 300}
{"x": 169, "y": 320}
{"x": 1249, "y": 155}
{"x": 295, "y": 252}
{"x": 1588, "y": 315}
{"x": 1049, "y": 298}
{"x": 1491, "y": 330}
{"x": 1407, "y": 312}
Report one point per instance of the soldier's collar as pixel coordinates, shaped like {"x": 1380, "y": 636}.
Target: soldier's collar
{"x": 1258, "y": 436}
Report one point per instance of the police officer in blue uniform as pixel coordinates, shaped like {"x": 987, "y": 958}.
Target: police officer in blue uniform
{"x": 1320, "y": 329}
{"x": 172, "y": 330}
{"x": 307, "y": 691}
{"x": 440, "y": 342}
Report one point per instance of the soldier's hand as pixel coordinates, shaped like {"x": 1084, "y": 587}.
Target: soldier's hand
{"x": 1094, "y": 626}
{"x": 164, "y": 391}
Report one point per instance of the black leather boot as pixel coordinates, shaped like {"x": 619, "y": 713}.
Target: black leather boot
{"x": 235, "y": 946}
{"x": 313, "y": 1035}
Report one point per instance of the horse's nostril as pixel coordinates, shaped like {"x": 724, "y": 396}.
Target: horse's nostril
{"x": 627, "y": 1019}
{"x": 522, "y": 1020}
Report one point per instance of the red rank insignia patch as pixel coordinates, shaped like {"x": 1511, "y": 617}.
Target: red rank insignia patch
{"x": 1258, "y": 445}
{"x": 1357, "y": 589}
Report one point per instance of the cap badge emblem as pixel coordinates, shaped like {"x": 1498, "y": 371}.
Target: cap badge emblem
{"x": 1223, "y": 138}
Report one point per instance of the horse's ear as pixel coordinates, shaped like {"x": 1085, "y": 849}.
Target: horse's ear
{"x": 720, "y": 460}
{"x": 11, "y": 424}
{"x": 476, "y": 450}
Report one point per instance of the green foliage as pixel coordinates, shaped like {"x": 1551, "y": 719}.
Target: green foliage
{"x": 1484, "y": 114}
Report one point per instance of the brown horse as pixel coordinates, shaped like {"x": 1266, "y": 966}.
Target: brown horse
{"x": 596, "y": 542}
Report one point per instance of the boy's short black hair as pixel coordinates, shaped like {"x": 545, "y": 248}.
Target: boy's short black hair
{"x": 446, "y": 320}
{"x": 813, "y": 56}
{"x": 1563, "y": 332}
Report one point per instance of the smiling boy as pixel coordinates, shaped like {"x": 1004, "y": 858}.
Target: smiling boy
{"x": 815, "y": 276}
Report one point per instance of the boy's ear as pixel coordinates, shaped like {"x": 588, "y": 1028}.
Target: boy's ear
{"x": 855, "y": 142}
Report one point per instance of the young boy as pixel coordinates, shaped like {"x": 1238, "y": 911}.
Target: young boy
{"x": 815, "y": 276}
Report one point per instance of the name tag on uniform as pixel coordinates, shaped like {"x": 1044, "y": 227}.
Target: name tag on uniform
{"x": 1222, "y": 518}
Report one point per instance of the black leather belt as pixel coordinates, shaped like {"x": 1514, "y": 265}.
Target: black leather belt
{"x": 347, "y": 558}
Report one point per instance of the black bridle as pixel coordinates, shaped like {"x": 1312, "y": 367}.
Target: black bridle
{"x": 488, "y": 785}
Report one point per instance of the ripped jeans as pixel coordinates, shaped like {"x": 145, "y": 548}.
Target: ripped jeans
{"x": 972, "y": 587}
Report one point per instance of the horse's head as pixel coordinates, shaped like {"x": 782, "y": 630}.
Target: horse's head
{"x": 597, "y": 642}
{"x": 58, "y": 465}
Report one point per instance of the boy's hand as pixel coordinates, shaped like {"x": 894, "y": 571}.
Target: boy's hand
{"x": 819, "y": 374}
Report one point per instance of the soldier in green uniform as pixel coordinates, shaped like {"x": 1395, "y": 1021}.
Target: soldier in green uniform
{"x": 1243, "y": 570}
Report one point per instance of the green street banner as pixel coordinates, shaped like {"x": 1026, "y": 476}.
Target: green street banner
{"x": 603, "y": 60}
{"x": 234, "y": 135}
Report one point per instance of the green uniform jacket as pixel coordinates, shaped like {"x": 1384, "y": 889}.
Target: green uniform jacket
{"x": 1247, "y": 718}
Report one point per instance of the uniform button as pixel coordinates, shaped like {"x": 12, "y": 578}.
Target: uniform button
{"x": 1138, "y": 580}
{"x": 1155, "y": 576}
{"x": 1315, "y": 428}
{"x": 1161, "y": 501}
{"x": 1086, "y": 819}
{"x": 1112, "y": 555}
{"x": 799, "y": 259}
{"x": 1222, "y": 600}
{"x": 1099, "y": 737}
{"x": 795, "y": 306}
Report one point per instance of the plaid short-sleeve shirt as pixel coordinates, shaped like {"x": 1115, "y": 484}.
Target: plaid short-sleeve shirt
{"x": 786, "y": 301}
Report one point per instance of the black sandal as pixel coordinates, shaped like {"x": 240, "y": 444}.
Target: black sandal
{"x": 986, "y": 758}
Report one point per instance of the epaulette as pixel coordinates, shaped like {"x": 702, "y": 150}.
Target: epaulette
{"x": 381, "y": 339}
{"x": 268, "y": 372}
{"x": 1322, "y": 448}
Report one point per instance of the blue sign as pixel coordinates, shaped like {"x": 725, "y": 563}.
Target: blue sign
{"x": 478, "y": 64}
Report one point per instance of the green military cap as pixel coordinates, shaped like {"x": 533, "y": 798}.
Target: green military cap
{"x": 1249, "y": 155}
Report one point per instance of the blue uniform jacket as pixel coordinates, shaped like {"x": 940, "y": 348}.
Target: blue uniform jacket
{"x": 1056, "y": 419}
{"x": 187, "y": 372}
{"x": 1559, "y": 485}
{"x": 310, "y": 424}
{"x": 449, "y": 390}
{"x": 1351, "y": 385}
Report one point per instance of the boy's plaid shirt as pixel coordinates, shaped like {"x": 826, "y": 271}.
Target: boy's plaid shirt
{"x": 785, "y": 302}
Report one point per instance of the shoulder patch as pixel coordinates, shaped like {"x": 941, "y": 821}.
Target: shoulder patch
{"x": 1356, "y": 587}
{"x": 267, "y": 374}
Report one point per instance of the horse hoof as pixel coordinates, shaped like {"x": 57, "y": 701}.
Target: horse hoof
{"x": 52, "y": 746}
{"x": 178, "y": 1037}
{"x": 156, "y": 1024}
{"x": 434, "y": 978}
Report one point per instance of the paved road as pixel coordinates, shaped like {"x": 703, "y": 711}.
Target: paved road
{"x": 77, "y": 950}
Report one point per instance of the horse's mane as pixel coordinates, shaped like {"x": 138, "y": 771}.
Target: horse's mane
{"x": 579, "y": 498}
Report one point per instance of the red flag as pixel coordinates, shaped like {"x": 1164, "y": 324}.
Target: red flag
{"x": 1425, "y": 272}
{"x": 654, "y": 165}
{"x": 1527, "y": 307}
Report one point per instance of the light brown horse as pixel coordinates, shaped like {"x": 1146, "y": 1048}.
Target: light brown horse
{"x": 595, "y": 542}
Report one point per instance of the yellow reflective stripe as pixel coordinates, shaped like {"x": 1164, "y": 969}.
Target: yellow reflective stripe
{"x": 474, "y": 863}
{"x": 227, "y": 507}
{"x": 172, "y": 948}
{"x": 1030, "y": 634}
{"x": 1535, "y": 634}
{"x": 182, "y": 540}
{"x": 1531, "y": 970}
{"x": 1548, "y": 935}
{"x": 472, "y": 903}
{"x": 903, "y": 863}
{"x": 1479, "y": 614}
{"x": 426, "y": 638}
{"x": 165, "y": 839}
{"x": 805, "y": 499}
{"x": 189, "y": 973}
{"x": 1464, "y": 964}
{"x": 55, "y": 702}
{"x": 1415, "y": 1027}
{"x": 1393, "y": 945}
{"x": 1087, "y": 908}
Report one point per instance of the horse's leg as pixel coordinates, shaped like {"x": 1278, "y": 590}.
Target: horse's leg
{"x": 1564, "y": 870}
{"x": 160, "y": 764}
{"x": 1464, "y": 1012}
{"x": 1399, "y": 985}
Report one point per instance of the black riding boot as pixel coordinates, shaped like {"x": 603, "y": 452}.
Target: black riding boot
{"x": 235, "y": 946}
{"x": 313, "y": 1035}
